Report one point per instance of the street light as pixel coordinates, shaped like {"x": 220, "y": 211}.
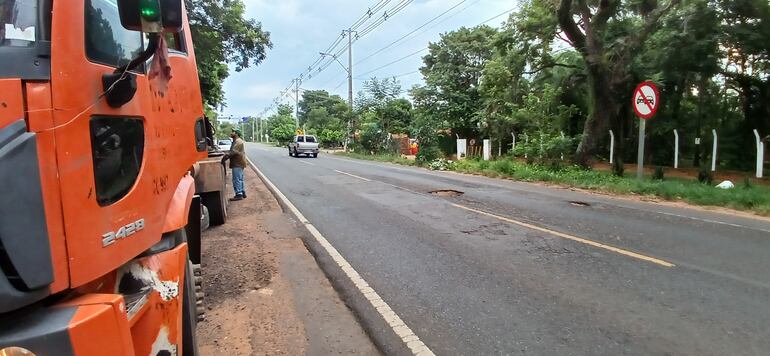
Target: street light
{"x": 323, "y": 54}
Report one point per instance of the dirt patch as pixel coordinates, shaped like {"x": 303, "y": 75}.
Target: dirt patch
{"x": 252, "y": 306}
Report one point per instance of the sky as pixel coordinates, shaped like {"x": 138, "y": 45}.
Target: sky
{"x": 300, "y": 29}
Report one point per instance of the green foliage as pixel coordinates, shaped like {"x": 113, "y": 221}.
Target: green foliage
{"x": 281, "y": 126}
{"x": 223, "y": 130}
{"x": 547, "y": 147}
{"x": 441, "y": 164}
{"x": 429, "y": 153}
{"x": 331, "y": 138}
{"x": 540, "y": 76}
{"x": 453, "y": 70}
{"x": 373, "y": 138}
{"x": 221, "y": 36}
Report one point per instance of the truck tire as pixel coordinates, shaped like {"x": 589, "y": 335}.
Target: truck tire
{"x": 189, "y": 314}
{"x": 216, "y": 203}
{"x": 315, "y": 155}
{"x": 290, "y": 154}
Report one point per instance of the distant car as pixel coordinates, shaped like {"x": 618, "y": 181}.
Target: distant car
{"x": 303, "y": 145}
{"x": 224, "y": 145}
{"x": 640, "y": 100}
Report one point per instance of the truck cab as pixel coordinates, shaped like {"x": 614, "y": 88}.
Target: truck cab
{"x": 98, "y": 200}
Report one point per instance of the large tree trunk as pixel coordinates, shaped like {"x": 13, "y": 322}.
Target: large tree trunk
{"x": 602, "y": 112}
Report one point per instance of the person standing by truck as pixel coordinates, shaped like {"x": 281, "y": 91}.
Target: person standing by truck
{"x": 237, "y": 157}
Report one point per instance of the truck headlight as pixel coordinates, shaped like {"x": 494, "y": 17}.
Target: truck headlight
{"x": 15, "y": 351}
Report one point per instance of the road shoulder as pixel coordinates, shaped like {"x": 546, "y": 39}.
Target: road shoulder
{"x": 264, "y": 292}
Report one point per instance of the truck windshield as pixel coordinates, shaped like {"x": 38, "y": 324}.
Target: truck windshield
{"x": 18, "y": 19}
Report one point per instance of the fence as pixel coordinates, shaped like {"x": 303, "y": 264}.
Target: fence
{"x": 758, "y": 152}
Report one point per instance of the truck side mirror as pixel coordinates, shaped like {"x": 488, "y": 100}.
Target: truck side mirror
{"x": 151, "y": 16}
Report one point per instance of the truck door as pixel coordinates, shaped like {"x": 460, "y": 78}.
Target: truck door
{"x": 117, "y": 165}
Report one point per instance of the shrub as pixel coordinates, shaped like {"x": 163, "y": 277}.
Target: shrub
{"x": 429, "y": 153}
{"x": 441, "y": 164}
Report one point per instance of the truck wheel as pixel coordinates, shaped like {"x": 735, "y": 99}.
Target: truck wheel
{"x": 216, "y": 203}
{"x": 296, "y": 154}
{"x": 290, "y": 154}
{"x": 189, "y": 314}
{"x": 315, "y": 155}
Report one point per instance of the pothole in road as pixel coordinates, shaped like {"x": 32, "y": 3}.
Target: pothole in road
{"x": 447, "y": 193}
{"x": 579, "y": 203}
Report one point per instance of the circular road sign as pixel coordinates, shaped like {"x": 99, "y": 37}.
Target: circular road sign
{"x": 646, "y": 100}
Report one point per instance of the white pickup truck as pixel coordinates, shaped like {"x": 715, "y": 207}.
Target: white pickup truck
{"x": 303, "y": 145}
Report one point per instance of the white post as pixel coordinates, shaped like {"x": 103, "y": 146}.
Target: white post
{"x": 513, "y": 143}
{"x": 487, "y": 149}
{"x": 760, "y": 155}
{"x": 714, "y": 152}
{"x": 562, "y": 137}
{"x": 540, "y": 153}
{"x": 676, "y": 149}
{"x": 462, "y": 146}
{"x": 526, "y": 140}
{"x": 500, "y": 148}
{"x": 612, "y": 147}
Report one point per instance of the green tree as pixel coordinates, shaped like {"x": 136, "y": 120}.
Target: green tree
{"x": 221, "y": 36}
{"x": 281, "y": 126}
{"x": 608, "y": 34}
{"x": 453, "y": 71}
{"x": 334, "y": 105}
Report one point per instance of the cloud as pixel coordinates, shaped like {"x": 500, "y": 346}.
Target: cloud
{"x": 263, "y": 91}
{"x": 284, "y": 9}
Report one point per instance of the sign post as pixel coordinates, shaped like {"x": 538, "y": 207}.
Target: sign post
{"x": 646, "y": 101}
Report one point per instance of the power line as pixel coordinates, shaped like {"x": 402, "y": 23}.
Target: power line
{"x": 392, "y": 63}
{"x": 417, "y": 52}
{"x": 406, "y": 74}
{"x": 369, "y": 13}
{"x": 385, "y": 16}
{"x": 413, "y": 31}
{"x": 496, "y": 16}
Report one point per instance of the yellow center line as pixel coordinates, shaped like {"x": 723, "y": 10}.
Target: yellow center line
{"x": 353, "y": 175}
{"x": 571, "y": 237}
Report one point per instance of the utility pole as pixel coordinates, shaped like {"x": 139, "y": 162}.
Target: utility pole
{"x": 351, "y": 134}
{"x": 253, "y": 122}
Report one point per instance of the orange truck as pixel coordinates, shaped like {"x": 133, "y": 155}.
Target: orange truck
{"x": 107, "y": 172}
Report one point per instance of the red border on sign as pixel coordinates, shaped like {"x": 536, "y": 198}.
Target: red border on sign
{"x": 653, "y": 108}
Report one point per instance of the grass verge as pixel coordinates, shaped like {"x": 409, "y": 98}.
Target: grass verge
{"x": 747, "y": 197}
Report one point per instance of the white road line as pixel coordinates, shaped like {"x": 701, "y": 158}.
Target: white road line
{"x": 571, "y": 237}
{"x": 353, "y": 175}
{"x": 301, "y": 161}
{"x": 395, "y": 322}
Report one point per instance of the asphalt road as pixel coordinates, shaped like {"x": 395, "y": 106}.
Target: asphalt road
{"x": 517, "y": 268}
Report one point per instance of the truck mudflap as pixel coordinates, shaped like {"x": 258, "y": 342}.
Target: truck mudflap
{"x": 136, "y": 310}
